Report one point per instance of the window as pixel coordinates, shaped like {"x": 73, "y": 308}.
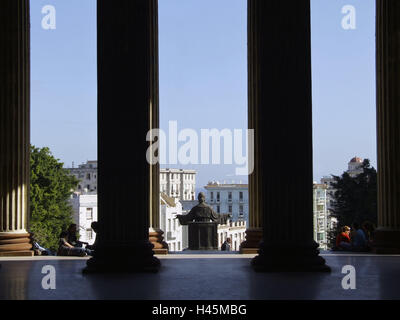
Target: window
{"x": 79, "y": 187}
{"x": 218, "y": 209}
{"x": 218, "y": 197}
{"x": 179, "y": 246}
{"x": 89, "y": 234}
{"x": 212, "y": 196}
{"x": 241, "y": 210}
{"x": 174, "y": 224}
{"x": 88, "y": 176}
{"x": 88, "y": 187}
{"x": 230, "y": 196}
{"x": 89, "y": 213}
{"x": 241, "y": 196}
{"x": 230, "y": 209}
{"x": 169, "y": 225}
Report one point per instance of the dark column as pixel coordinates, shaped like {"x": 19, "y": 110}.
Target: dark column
{"x": 126, "y": 75}
{"x": 156, "y": 235}
{"x": 14, "y": 127}
{"x": 254, "y": 229}
{"x": 387, "y": 236}
{"x": 280, "y": 60}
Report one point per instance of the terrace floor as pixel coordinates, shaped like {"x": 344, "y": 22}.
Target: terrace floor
{"x": 202, "y": 276}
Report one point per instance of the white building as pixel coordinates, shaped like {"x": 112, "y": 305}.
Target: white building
{"x": 174, "y": 233}
{"x": 229, "y": 198}
{"x": 85, "y": 212}
{"x": 87, "y": 175}
{"x": 355, "y": 167}
{"x": 178, "y": 183}
{"x": 234, "y": 230}
{"x": 330, "y": 191}
{"x": 321, "y": 215}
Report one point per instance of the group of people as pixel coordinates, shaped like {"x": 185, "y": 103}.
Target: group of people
{"x": 356, "y": 238}
{"x": 69, "y": 245}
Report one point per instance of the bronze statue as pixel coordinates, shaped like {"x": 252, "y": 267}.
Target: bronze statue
{"x": 203, "y": 213}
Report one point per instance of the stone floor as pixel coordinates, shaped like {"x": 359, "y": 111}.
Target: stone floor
{"x": 202, "y": 276}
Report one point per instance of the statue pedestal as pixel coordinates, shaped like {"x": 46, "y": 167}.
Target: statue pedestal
{"x": 203, "y": 236}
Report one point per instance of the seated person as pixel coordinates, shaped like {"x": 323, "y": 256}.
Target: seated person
{"x": 226, "y": 246}
{"x": 369, "y": 229}
{"x": 70, "y": 245}
{"x": 72, "y": 238}
{"x": 67, "y": 249}
{"x": 358, "y": 238}
{"x": 343, "y": 239}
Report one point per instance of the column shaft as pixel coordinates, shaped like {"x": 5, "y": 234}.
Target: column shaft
{"x": 254, "y": 229}
{"x": 14, "y": 127}
{"x": 156, "y": 235}
{"x": 127, "y": 109}
{"x": 387, "y": 236}
{"x": 281, "y": 89}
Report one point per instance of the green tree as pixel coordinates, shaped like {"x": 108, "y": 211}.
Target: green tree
{"x": 355, "y": 198}
{"x": 50, "y": 188}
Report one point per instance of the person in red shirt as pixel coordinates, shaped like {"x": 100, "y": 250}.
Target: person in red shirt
{"x": 343, "y": 239}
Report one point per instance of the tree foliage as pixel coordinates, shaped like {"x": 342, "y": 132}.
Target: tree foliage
{"x": 50, "y": 188}
{"x": 355, "y": 198}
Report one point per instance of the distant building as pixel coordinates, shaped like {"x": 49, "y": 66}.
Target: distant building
{"x": 355, "y": 167}
{"x": 85, "y": 212}
{"x": 229, "y": 198}
{"x": 178, "y": 183}
{"x": 321, "y": 215}
{"x": 87, "y": 175}
{"x": 330, "y": 191}
{"x": 174, "y": 233}
{"x": 236, "y": 231}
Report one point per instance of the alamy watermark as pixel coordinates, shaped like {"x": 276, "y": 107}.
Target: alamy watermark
{"x": 49, "y": 20}
{"x": 349, "y": 20}
{"x": 49, "y": 280}
{"x": 194, "y": 150}
{"x": 349, "y": 280}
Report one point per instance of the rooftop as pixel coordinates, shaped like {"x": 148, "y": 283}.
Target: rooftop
{"x": 356, "y": 160}
{"x": 225, "y": 185}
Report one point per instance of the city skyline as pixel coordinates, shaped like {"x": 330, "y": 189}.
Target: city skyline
{"x": 203, "y": 79}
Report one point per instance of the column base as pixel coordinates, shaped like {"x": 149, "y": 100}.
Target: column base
{"x": 252, "y": 242}
{"x": 27, "y": 253}
{"x": 15, "y": 244}
{"x": 386, "y": 241}
{"x": 123, "y": 258}
{"x": 156, "y": 238}
{"x": 289, "y": 258}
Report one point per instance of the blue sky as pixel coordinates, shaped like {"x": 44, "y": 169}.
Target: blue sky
{"x": 203, "y": 78}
